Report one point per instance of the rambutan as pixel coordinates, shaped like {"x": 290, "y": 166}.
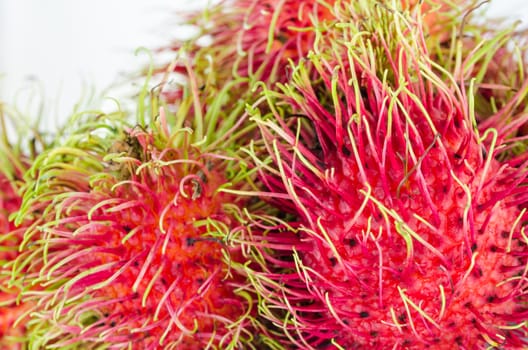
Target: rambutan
{"x": 135, "y": 243}
{"x": 407, "y": 223}
{"x": 401, "y": 205}
{"x": 253, "y": 39}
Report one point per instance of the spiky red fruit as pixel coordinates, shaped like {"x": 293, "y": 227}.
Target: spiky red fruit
{"x": 252, "y": 39}
{"x": 136, "y": 254}
{"x": 410, "y": 232}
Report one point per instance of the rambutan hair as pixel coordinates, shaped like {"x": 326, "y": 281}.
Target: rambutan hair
{"x": 406, "y": 222}
{"x": 254, "y": 40}
{"x": 491, "y": 59}
{"x": 136, "y": 240}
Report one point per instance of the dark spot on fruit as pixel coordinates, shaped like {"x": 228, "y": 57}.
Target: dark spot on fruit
{"x": 364, "y": 92}
{"x": 457, "y": 156}
{"x": 480, "y": 231}
{"x": 444, "y": 189}
{"x": 505, "y": 268}
{"x": 364, "y": 314}
{"x": 163, "y": 281}
{"x": 346, "y": 151}
{"x": 402, "y": 318}
{"x": 189, "y": 241}
{"x": 493, "y": 248}
{"x": 112, "y": 324}
{"x": 317, "y": 315}
{"x": 467, "y": 305}
{"x": 127, "y": 229}
{"x": 406, "y": 343}
{"x": 460, "y": 221}
{"x": 200, "y": 281}
{"x": 352, "y": 242}
{"x": 491, "y": 298}
{"x": 459, "y": 340}
{"x": 255, "y": 200}
{"x": 474, "y": 321}
{"x": 374, "y": 334}
{"x": 333, "y": 261}
{"x": 436, "y": 340}
{"x": 474, "y": 247}
{"x": 281, "y": 38}
{"x": 505, "y": 234}
{"x": 478, "y": 272}
{"x": 135, "y": 263}
{"x": 325, "y": 344}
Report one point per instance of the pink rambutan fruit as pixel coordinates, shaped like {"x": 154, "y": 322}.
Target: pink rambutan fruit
{"x": 136, "y": 244}
{"x": 254, "y": 39}
{"x": 405, "y": 221}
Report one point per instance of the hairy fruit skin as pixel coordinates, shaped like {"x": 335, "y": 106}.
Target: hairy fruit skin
{"x": 132, "y": 247}
{"x": 401, "y": 207}
{"x": 255, "y": 39}
{"x": 410, "y": 231}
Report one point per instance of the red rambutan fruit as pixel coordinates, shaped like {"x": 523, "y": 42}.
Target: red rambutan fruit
{"x": 407, "y": 223}
{"x": 255, "y": 39}
{"x": 135, "y": 244}
{"x": 243, "y": 43}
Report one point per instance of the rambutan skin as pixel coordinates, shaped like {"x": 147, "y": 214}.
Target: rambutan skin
{"x": 133, "y": 246}
{"x": 255, "y": 39}
{"x": 409, "y": 222}
{"x": 244, "y": 43}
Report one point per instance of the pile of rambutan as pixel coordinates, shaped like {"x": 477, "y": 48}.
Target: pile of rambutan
{"x": 323, "y": 175}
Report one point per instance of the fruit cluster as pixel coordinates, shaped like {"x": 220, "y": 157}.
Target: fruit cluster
{"x": 317, "y": 174}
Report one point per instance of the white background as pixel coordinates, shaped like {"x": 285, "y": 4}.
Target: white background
{"x": 59, "y": 49}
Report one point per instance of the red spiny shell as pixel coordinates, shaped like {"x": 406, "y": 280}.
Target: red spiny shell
{"x": 141, "y": 260}
{"x": 411, "y": 231}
